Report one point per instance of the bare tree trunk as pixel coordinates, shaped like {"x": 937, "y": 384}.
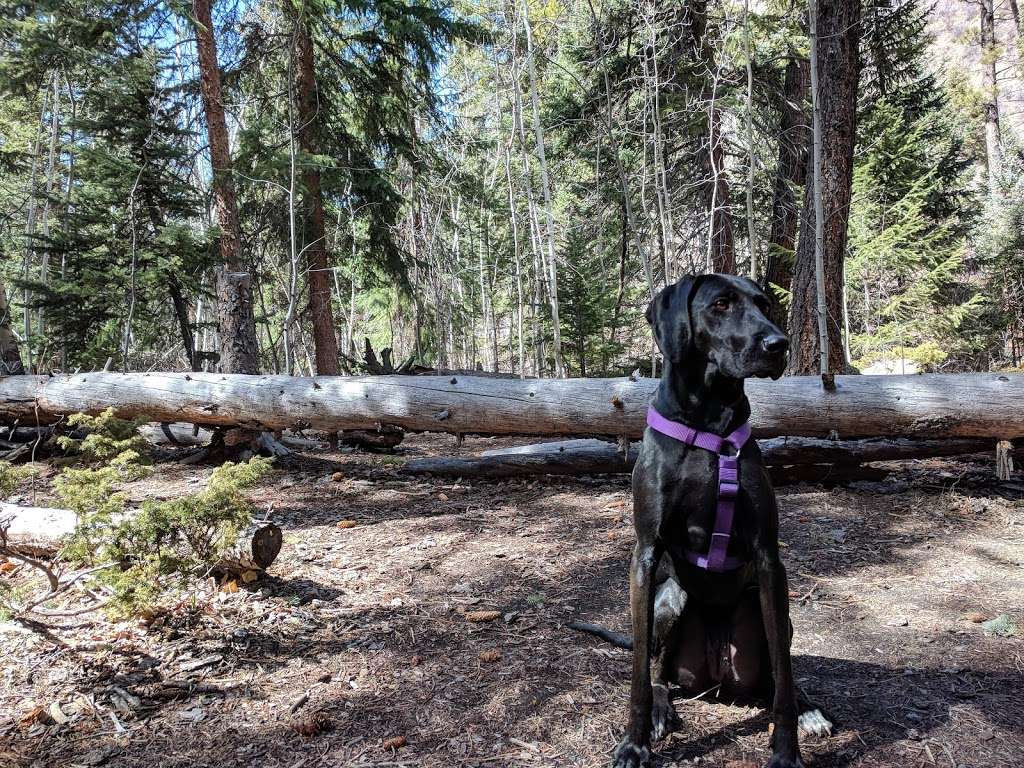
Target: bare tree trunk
{"x": 325, "y": 340}
{"x": 238, "y": 353}
{"x": 794, "y": 138}
{"x": 752, "y": 163}
{"x": 556, "y": 340}
{"x": 819, "y": 210}
{"x": 10, "y": 357}
{"x": 990, "y": 94}
{"x": 837, "y": 38}
{"x": 714, "y": 184}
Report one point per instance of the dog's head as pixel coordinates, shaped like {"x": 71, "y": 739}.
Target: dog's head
{"x": 722, "y": 319}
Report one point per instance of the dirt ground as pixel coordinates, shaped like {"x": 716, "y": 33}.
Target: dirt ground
{"x": 360, "y": 649}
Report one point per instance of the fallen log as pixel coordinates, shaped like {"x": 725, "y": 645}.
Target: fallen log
{"x": 35, "y": 531}
{"x": 592, "y": 457}
{"x": 932, "y": 405}
{"x": 40, "y": 531}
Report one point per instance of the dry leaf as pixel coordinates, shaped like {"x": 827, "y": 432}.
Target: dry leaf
{"x": 442, "y": 497}
{"x": 395, "y": 742}
{"x": 230, "y": 586}
{"x": 249, "y": 577}
{"x": 416, "y": 660}
{"x": 478, "y": 616}
{"x": 347, "y": 523}
{"x": 7, "y": 566}
{"x": 610, "y": 534}
{"x": 490, "y": 655}
{"x": 337, "y": 477}
{"x": 975, "y": 617}
{"x": 34, "y": 715}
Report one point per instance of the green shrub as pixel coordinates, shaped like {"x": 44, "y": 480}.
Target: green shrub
{"x": 165, "y": 543}
{"x": 11, "y": 477}
{"x": 160, "y": 545}
{"x": 108, "y": 439}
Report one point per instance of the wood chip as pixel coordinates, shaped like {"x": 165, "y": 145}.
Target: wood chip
{"x": 347, "y": 524}
{"x": 479, "y": 616}
{"x": 975, "y": 617}
{"x": 337, "y": 477}
{"x": 192, "y": 666}
{"x": 395, "y": 742}
{"x": 490, "y": 655}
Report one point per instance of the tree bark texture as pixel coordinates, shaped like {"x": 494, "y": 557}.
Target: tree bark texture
{"x": 10, "y": 357}
{"x": 990, "y": 96}
{"x": 930, "y": 405}
{"x": 239, "y": 353}
{"x": 699, "y": 54}
{"x": 794, "y": 138}
{"x": 839, "y": 71}
{"x": 325, "y": 339}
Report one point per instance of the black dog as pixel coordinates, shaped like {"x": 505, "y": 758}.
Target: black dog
{"x": 708, "y": 606}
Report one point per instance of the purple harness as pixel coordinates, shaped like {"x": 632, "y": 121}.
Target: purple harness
{"x": 728, "y": 485}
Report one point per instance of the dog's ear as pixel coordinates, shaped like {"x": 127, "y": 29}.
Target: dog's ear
{"x": 669, "y": 316}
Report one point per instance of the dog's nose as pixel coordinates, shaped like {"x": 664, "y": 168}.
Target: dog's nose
{"x": 775, "y": 344}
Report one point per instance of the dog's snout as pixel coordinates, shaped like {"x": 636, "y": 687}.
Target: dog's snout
{"x": 775, "y": 344}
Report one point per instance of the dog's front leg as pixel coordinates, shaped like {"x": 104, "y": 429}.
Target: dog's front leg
{"x": 774, "y": 592}
{"x": 632, "y": 751}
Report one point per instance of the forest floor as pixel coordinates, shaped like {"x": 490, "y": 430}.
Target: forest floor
{"x": 360, "y": 649}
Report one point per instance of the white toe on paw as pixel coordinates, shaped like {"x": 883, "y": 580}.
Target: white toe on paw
{"x": 814, "y": 723}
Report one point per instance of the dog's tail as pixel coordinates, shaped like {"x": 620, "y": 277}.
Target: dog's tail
{"x": 617, "y": 639}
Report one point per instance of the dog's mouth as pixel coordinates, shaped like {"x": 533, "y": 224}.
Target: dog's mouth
{"x": 767, "y": 366}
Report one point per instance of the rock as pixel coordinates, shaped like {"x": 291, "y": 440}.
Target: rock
{"x": 898, "y": 621}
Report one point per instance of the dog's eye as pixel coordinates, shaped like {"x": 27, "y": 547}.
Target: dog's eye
{"x": 721, "y": 304}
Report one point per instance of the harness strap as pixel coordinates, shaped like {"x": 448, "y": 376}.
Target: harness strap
{"x": 717, "y": 558}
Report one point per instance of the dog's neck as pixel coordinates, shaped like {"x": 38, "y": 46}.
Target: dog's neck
{"x": 699, "y": 395}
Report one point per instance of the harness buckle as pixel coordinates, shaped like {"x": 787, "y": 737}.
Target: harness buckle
{"x": 728, "y": 489}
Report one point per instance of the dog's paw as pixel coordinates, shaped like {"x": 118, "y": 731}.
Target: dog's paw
{"x": 814, "y": 723}
{"x": 630, "y": 755}
{"x": 664, "y": 720}
{"x": 778, "y": 761}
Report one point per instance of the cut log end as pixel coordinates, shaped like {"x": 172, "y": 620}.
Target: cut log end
{"x": 254, "y": 552}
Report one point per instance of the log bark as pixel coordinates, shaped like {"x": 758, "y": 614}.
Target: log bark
{"x": 35, "y": 531}
{"x": 40, "y": 531}
{"x": 254, "y": 552}
{"x": 598, "y": 457}
{"x": 930, "y": 405}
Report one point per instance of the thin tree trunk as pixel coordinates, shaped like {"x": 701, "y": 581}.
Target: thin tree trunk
{"x": 837, "y": 38}
{"x": 238, "y": 353}
{"x": 752, "y": 149}
{"x": 791, "y": 171}
{"x": 819, "y": 210}
{"x": 10, "y": 357}
{"x": 556, "y": 339}
{"x": 325, "y": 340}
{"x": 714, "y": 184}
{"x": 990, "y": 94}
